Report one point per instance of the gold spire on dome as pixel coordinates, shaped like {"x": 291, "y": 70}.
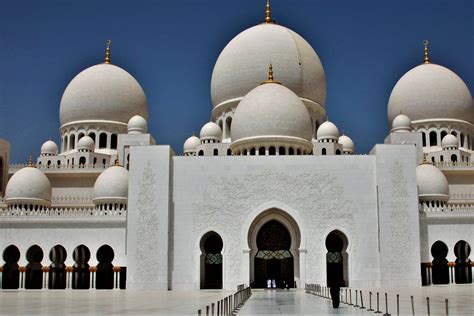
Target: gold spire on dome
{"x": 268, "y": 18}
{"x": 30, "y": 161}
{"x": 107, "y": 51}
{"x": 427, "y": 58}
{"x": 270, "y": 76}
{"x": 117, "y": 163}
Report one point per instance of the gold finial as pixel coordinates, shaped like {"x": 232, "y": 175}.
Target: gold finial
{"x": 270, "y": 75}
{"x": 427, "y": 58}
{"x": 117, "y": 162}
{"x": 425, "y": 160}
{"x": 107, "y": 51}
{"x": 268, "y": 18}
{"x": 327, "y": 118}
{"x": 30, "y": 161}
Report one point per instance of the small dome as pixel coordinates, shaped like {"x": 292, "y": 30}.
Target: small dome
{"x": 103, "y": 92}
{"x": 449, "y": 141}
{"x": 401, "y": 123}
{"x": 432, "y": 183}
{"x": 271, "y": 113}
{"x": 211, "y": 131}
{"x": 190, "y": 144}
{"x": 49, "y": 148}
{"x": 241, "y": 66}
{"x": 28, "y": 186}
{"x": 111, "y": 185}
{"x": 431, "y": 91}
{"x": 347, "y": 144}
{"x": 137, "y": 125}
{"x": 86, "y": 143}
{"x": 327, "y": 130}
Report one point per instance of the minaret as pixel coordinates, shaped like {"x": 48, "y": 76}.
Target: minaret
{"x": 427, "y": 58}
{"x": 107, "y": 51}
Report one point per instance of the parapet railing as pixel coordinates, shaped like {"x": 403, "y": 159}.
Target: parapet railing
{"x": 451, "y": 164}
{"x": 61, "y": 212}
{"x": 447, "y": 209}
{"x": 230, "y": 305}
{"x": 54, "y": 167}
{"x": 352, "y": 297}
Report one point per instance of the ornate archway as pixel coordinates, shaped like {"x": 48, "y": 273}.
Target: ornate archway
{"x": 274, "y": 239}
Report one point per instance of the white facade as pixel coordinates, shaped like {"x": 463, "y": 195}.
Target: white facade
{"x": 111, "y": 184}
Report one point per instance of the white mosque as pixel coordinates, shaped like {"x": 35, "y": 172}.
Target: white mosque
{"x": 269, "y": 190}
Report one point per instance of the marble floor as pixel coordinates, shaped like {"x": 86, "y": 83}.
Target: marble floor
{"x": 281, "y": 302}
{"x": 262, "y": 302}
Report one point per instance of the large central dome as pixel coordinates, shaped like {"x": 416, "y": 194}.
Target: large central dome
{"x": 242, "y": 65}
{"x": 103, "y": 92}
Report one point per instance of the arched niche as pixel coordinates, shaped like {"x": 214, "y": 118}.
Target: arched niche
{"x": 211, "y": 261}
{"x": 337, "y": 259}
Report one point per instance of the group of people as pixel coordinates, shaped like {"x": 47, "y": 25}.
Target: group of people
{"x": 271, "y": 284}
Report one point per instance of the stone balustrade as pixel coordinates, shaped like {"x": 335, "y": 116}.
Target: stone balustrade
{"x": 61, "y": 212}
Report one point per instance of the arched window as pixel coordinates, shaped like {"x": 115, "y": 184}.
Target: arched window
{"x": 201, "y": 153}
{"x": 228, "y": 123}
{"x": 229, "y": 152}
{"x": 72, "y": 141}
{"x": 463, "y": 269}
{"x": 216, "y": 152}
{"x": 433, "y": 139}
{"x": 48, "y": 165}
{"x": 92, "y": 135}
{"x": 462, "y": 140}
{"x": 66, "y": 148}
{"x": 432, "y": 159}
{"x": 298, "y": 151}
{"x": 57, "y": 269}
{"x": 291, "y": 151}
{"x": 272, "y": 151}
{"x": 441, "y": 158}
{"x": 338, "y": 152}
{"x": 58, "y": 163}
{"x": 423, "y": 138}
{"x": 323, "y": 151}
{"x": 103, "y": 140}
{"x": 105, "y": 268}
{"x": 252, "y": 151}
{"x": 80, "y": 273}
{"x": 113, "y": 141}
{"x": 440, "y": 269}
{"x": 34, "y": 273}
{"x": 281, "y": 151}
{"x": 454, "y": 158}
{"x": 11, "y": 274}
{"x": 261, "y": 151}
{"x": 80, "y": 136}
{"x": 82, "y": 161}
{"x": 443, "y": 133}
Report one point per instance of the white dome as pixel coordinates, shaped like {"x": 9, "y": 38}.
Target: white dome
{"x": 86, "y": 143}
{"x": 28, "y": 186}
{"x": 102, "y": 92}
{"x": 211, "y": 131}
{"x": 49, "y": 148}
{"x": 449, "y": 141}
{"x": 111, "y": 185}
{"x": 328, "y": 130}
{"x": 190, "y": 144}
{"x": 242, "y": 65}
{"x": 347, "y": 144}
{"x": 137, "y": 125}
{"x": 271, "y": 112}
{"x": 432, "y": 183}
{"x": 401, "y": 123}
{"x": 431, "y": 91}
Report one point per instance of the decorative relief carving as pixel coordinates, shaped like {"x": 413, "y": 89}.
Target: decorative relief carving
{"x": 319, "y": 198}
{"x": 147, "y": 228}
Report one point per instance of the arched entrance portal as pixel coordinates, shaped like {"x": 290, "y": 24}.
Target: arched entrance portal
{"x": 336, "y": 259}
{"x": 211, "y": 261}
{"x": 274, "y": 239}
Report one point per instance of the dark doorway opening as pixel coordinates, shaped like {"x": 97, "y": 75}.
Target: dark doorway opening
{"x": 211, "y": 261}
{"x": 273, "y": 260}
{"x": 34, "y": 272}
{"x": 11, "y": 274}
{"x": 440, "y": 269}
{"x": 336, "y": 259}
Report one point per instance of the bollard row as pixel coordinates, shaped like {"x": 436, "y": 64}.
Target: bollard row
{"x": 346, "y": 298}
{"x": 229, "y": 305}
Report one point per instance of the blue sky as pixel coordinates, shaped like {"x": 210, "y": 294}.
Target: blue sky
{"x": 170, "y": 47}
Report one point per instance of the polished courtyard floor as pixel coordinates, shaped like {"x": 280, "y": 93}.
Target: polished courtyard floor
{"x": 262, "y": 302}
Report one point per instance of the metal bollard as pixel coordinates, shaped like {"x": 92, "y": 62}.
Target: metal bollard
{"x": 346, "y": 296}
{"x": 207, "y": 310}
{"x": 361, "y": 300}
{"x": 386, "y": 306}
{"x": 222, "y": 307}
{"x": 378, "y": 309}
{"x": 398, "y": 305}
{"x": 370, "y": 303}
{"x": 212, "y": 309}
{"x": 412, "y": 306}
{"x": 199, "y": 312}
{"x": 447, "y": 309}
{"x": 428, "y": 305}
{"x": 218, "y": 308}
{"x": 356, "y": 304}
{"x": 350, "y": 297}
